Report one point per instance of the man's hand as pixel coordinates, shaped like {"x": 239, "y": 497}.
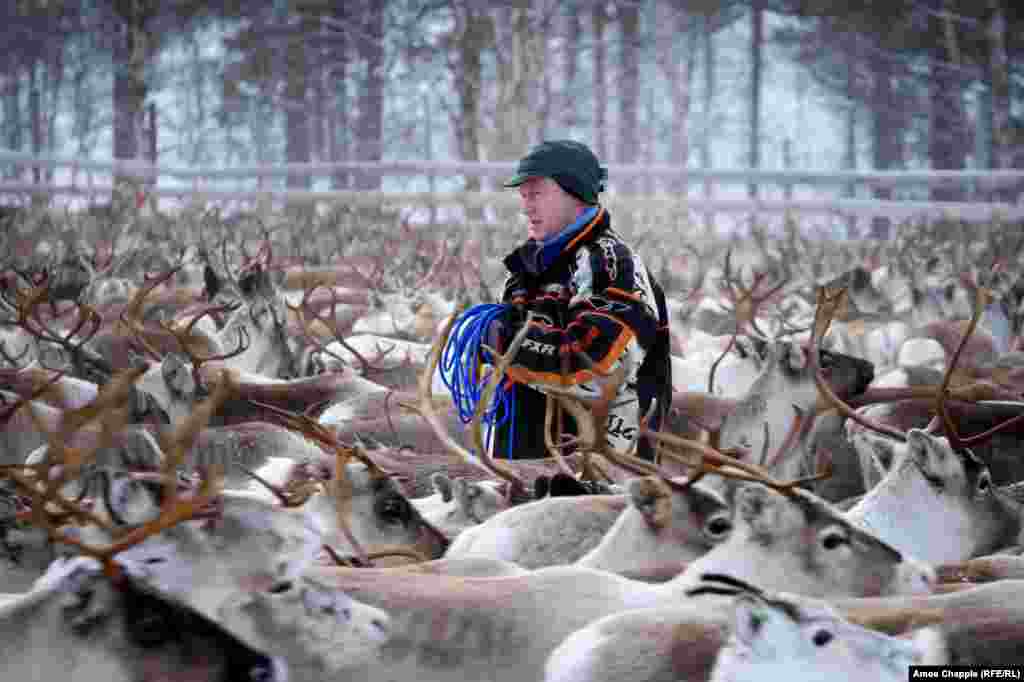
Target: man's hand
{"x": 511, "y": 320}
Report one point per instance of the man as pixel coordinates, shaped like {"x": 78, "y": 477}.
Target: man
{"x": 589, "y": 293}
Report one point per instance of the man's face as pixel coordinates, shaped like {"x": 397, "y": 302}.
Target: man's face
{"x": 547, "y": 206}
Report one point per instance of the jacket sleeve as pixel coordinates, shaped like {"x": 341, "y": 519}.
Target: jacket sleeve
{"x": 612, "y": 303}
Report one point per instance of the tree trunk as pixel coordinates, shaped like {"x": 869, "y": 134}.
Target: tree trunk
{"x": 1002, "y": 148}
{"x": 12, "y": 109}
{"x": 629, "y": 90}
{"x": 709, "y": 114}
{"x": 55, "y": 82}
{"x": 679, "y": 70}
{"x": 337, "y": 123}
{"x": 850, "y": 140}
{"x": 473, "y": 31}
{"x": 756, "y": 45}
{"x": 514, "y": 117}
{"x": 370, "y": 124}
{"x": 35, "y": 112}
{"x": 947, "y": 121}
{"x": 539, "y": 57}
{"x": 571, "y": 60}
{"x": 885, "y": 132}
{"x": 133, "y": 49}
{"x": 599, "y": 21}
{"x": 296, "y": 111}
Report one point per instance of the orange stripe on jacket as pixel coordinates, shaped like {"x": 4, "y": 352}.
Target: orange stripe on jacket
{"x": 523, "y": 375}
{"x": 624, "y": 294}
{"x": 585, "y": 231}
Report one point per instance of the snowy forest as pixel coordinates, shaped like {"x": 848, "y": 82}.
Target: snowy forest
{"x": 918, "y": 84}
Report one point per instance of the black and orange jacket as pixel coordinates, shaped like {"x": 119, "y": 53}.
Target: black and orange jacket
{"x": 588, "y": 292}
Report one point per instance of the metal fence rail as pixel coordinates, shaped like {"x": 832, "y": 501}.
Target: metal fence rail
{"x": 199, "y": 185}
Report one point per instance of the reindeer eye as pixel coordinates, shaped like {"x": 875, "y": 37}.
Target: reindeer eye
{"x": 718, "y": 526}
{"x": 281, "y": 587}
{"x": 833, "y": 540}
{"x": 261, "y": 673}
{"x": 393, "y": 510}
{"x": 822, "y": 637}
{"x": 984, "y": 483}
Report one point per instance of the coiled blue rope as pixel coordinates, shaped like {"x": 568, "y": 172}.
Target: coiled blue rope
{"x": 460, "y": 372}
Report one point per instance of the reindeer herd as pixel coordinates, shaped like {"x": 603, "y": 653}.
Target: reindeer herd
{"x": 225, "y": 466}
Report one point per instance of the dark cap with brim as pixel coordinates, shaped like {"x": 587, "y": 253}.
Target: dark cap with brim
{"x": 569, "y": 163}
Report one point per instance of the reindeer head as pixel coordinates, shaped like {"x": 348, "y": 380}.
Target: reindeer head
{"x": 777, "y": 636}
{"x": 800, "y": 543}
{"x": 929, "y": 486}
{"x": 380, "y": 515}
{"x": 132, "y": 631}
{"x": 320, "y": 631}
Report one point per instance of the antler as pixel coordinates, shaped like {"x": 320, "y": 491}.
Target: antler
{"x": 552, "y": 415}
{"x": 13, "y": 361}
{"x": 173, "y": 511}
{"x": 747, "y": 300}
{"x": 186, "y": 339}
{"x": 304, "y": 311}
{"x": 42, "y": 482}
{"x": 341, "y": 489}
{"x": 709, "y": 459}
{"x": 424, "y": 406}
{"x": 290, "y": 496}
{"x": 131, "y": 316}
{"x": 87, "y": 323}
{"x": 717, "y": 462}
{"x": 828, "y": 302}
{"x": 982, "y": 299}
{"x": 35, "y": 394}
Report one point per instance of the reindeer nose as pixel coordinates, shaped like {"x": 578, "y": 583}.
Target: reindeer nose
{"x": 916, "y": 577}
{"x": 865, "y": 375}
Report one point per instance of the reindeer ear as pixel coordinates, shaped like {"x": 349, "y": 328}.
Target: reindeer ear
{"x": 176, "y": 375}
{"x": 442, "y": 485}
{"x": 652, "y": 498}
{"x": 541, "y": 486}
{"x": 564, "y": 485}
{"x": 212, "y": 283}
{"x": 460, "y": 493}
{"x": 929, "y": 452}
{"x": 796, "y": 357}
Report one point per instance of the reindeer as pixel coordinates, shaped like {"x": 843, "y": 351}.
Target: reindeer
{"x": 931, "y": 483}
{"x": 135, "y": 632}
{"x": 648, "y": 534}
{"x": 320, "y": 632}
{"x": 453, "y": 627}
{"x": 767, "y": 634}
{"x": 77, "y": 622}
{"x": 246, "y": 545}
{"x": 458, "y": 504}
{"x": 937, "y": 478}
{"x": 975, "y": 624}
